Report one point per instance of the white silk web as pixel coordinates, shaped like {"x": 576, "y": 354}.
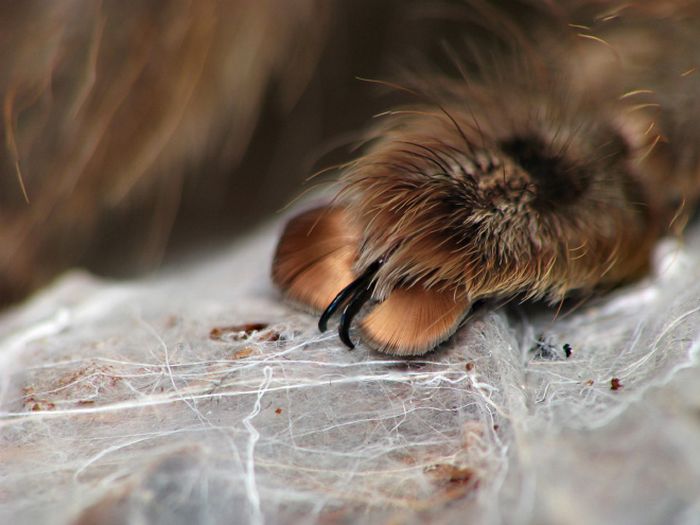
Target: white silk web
{"x": 196, "y": 396}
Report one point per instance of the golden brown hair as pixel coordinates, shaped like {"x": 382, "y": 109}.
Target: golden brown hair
{"x": 544, "y": 171}
{"x": 108, "y": 106}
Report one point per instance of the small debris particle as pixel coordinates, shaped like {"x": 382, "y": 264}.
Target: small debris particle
{"x": 41, "y": 404}
{"x": 269, "y": 335}
{"x": 496, "y": 427}
{"x": 544, "y": 349}
{"x": 567, "y": 350}
{"x": 242, "y": 332}
{"x": 589, "y": 382}
{"x": 450, "y": 473}
{"x": 615, "y": 384}
{"x": 278, "y": 411}
{"x": 470, "y": 366}
{"x": 86, "y": 402}
{"x": 245, "y": 352}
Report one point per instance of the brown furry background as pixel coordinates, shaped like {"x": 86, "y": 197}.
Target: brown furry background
{"x": 133, "y": 128}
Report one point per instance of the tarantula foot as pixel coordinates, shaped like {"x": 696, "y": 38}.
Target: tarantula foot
{"x": 313, "y": 267}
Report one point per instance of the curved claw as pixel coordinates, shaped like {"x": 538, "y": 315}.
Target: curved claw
{"x": 355, "y": 295}
{"x": 358, "y": 299}
{"x": 343, "y": 296}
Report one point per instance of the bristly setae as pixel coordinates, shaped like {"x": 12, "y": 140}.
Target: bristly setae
{"x": 552, "y": 176}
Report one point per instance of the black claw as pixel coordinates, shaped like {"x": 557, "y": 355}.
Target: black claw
{"x": 355, "y": 295}
{"x": 358, "y": 299}
{"x": 338, "y": 301}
